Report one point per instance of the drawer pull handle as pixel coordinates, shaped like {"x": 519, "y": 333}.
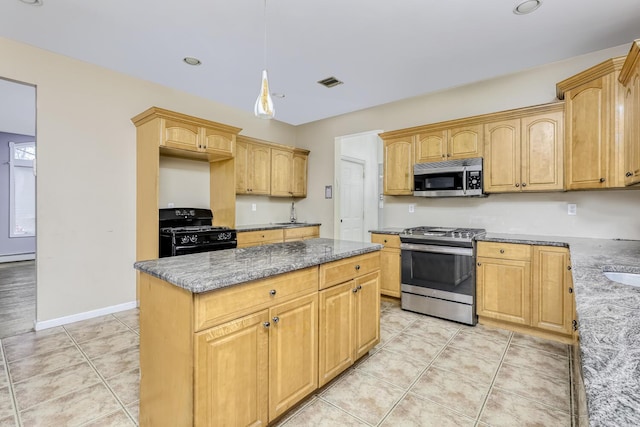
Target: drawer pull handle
{"x": 276, "y": 319}
{"x": 266, "y": 324}
{"x": 357, "y": 267}
{"x": 272, "y": 292}
{"x": 501, "y": 251}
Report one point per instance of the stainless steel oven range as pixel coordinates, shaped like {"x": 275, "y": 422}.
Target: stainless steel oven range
{"x": 438, "y": 272}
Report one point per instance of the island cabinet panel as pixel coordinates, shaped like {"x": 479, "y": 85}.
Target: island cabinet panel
{"x": 336, "y": 272}
{"x": 349, "y": 319}
{"x": 389, "y": 264}
{"x": 262, "y": 237}
{"x": 231, "y": 373}
{"x": 301, "y": 233}
{"x": 293, "y": 353}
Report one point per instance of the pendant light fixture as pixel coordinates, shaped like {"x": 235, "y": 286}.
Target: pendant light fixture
{"x": 264, "y": 104}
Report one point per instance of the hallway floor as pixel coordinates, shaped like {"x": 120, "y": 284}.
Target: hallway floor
{"x": 17, "y": 297}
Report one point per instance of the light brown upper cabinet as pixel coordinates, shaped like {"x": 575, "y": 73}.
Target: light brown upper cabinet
{"x": 594, "y": 157}
{"x": 253, "y": 167}
{"x": 289, "y": 172}
{"x": 630, "y": 78}
{"x": 449, "y": 144}
{"x": 526, "y": 153}
{"x": 398, "y": 166}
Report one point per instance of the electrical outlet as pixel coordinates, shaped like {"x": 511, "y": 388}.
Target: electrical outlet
{"x": 572, "y": 209}
{"x": 412, "y": 208}
{"x": 254, "y": 207}
{"x": 171, "y": 205}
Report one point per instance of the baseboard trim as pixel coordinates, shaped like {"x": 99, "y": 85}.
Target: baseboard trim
{"x": 17, "y": 257}
{"x": 46, "y": 324}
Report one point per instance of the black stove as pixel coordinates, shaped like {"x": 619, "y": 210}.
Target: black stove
{"x": 189, "y": 230}
{"x": 441, "y": 235}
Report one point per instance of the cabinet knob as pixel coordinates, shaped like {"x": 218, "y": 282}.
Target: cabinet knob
{"x": 628, "y": 174}
{"x": 355, "y": 290}
{"x": 570, "y": 290}
{"x": 444, "y": 155}
{"x": 517, "y": 184}
{"x": 524, "y": 184}
{"x": 266, "y": 324}
{"x": 568, "y": 267}
{"x": 276, "y": 319}
{"x": 501, "y": 251}
{"x": 359, "y": 287}
{"x": 272, "y": 292}
{"x": 479, "y": 264}
{"x": 357, "y": 267}
{"x": 575, "y": 325}
{"x": 602, "y": 180}
{"x": 385, "y": 240}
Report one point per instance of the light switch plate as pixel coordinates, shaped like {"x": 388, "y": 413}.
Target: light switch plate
{"x": 253, "y": 207}
{"x": 412, "y": 208}
{"x": 572, "y": 209}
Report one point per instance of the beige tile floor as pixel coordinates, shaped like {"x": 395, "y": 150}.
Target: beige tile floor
{"x": 424, "y": 372}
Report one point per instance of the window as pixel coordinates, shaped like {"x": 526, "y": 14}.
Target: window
{"x": 22, "y": 189}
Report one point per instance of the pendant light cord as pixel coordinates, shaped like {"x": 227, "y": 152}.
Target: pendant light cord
{"x": 265, "y": 34}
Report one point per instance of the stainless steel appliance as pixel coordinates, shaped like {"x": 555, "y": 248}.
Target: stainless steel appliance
{"x": 453, "y": 178}
{"x": 190, "y": 230}
{"x": 438, "y": 272}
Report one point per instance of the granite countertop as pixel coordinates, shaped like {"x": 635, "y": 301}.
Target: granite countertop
{"x": 608, "y": 323}
{"x": 274, "y": 226}
{"x": 388, "y": 230}
{"x": 208, "y": 271}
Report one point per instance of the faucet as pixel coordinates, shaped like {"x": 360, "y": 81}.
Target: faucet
{"x": 292, "y": 215}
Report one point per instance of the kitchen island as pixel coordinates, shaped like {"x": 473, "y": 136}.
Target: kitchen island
{"x": 608, "y": 315}
{"x": 240, "y": 336}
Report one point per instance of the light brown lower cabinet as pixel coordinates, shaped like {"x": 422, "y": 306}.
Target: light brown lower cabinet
{"x": 526, "y": 288}
{"x": 349, "y": 324}
{"x": 276, "y": 235}
{"x": 389, "y": 263}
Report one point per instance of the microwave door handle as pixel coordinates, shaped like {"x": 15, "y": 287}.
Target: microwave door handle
{"x": 464, "y": 180}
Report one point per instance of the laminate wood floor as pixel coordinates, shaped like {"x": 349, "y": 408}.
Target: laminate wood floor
{"x": 17, "y": 297}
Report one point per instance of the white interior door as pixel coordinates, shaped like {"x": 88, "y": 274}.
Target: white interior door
{"x": 351, "y": 200}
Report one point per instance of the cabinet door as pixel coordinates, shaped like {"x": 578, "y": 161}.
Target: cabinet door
{"x": 181, "y": 136}
{"x": 217, "y": 143}
{"x": 398, "y": 166}
{"x": 300, "y": 175}
{"x": 337, "y": 331}
{"x": 503, "y": 290}
{"x": 502, "y": 157}
{"x": 632, "y": 130}
{"x": 231, "y": 373}
{"x": 367, "y": 313}
{"x": 260, "y": 169}
{"x": 281, "y": 172}
{"x": 552, "y": 301}
{"x": 390, "y": 272}
{"x": 431, "y": 147}
{"x": 587, "y": 134}
{"x": 242, "y": 167}
{"x": 542, "y": 158}
{"x": 465, "y": 142}
{"x": 293, "y": 353}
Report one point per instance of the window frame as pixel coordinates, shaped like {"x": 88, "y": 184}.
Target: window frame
{"x": 18, "y": 163}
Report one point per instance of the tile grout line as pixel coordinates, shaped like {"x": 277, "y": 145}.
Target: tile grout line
{"x": 104, "y": 381}
{"x": 16, "y": 413}
{"x": 493, "y": 380}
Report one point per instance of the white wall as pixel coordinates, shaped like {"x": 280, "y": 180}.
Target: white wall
{"x": 183, "y": 182}
{"x": 86, "y": 172}
{"x": 600, "y": 214}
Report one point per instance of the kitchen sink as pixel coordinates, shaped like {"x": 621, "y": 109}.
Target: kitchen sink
{"x": 632, "y": 279}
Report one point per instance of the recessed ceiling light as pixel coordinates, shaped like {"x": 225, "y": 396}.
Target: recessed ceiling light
{"x": 191, "y": 60}
{"x": 526, "y": 6}
{"x": 32, "y": 2}
{"x": 330, "y": 82}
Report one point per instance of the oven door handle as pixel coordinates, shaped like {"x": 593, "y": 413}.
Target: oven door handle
{"x": 436, "y": 249}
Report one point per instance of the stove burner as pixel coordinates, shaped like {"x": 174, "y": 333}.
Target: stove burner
{"x": 441, "y": 234}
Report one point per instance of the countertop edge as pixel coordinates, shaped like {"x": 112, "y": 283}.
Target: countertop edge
{"x": 260, "y": 227}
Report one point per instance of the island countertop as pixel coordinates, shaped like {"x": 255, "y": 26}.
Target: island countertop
{"x": 208, "y": 271}
{"x": 608, "y": 322}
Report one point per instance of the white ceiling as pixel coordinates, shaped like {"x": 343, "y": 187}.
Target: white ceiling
{"x": 383, "y": 50}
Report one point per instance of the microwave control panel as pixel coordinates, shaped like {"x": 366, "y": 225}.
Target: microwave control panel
{"x": 474, "y": 180}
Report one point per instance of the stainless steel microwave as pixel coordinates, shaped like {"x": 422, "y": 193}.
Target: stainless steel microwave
{"x": 453, "y": 178}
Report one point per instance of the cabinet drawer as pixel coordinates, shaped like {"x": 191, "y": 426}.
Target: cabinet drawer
{"x": 388, "y": 240}
{"x": 301, "y": 233}
{"x": 343, "y": 270}
{"x": 504, "y": 250}
{"x": 258, "y": 237}
{"x": 226, "y": 304}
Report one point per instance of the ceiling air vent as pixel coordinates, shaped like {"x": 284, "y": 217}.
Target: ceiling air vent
{"x": 330, "y": 82}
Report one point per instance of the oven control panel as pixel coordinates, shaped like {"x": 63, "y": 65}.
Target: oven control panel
{"x": 474, "y": 180}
